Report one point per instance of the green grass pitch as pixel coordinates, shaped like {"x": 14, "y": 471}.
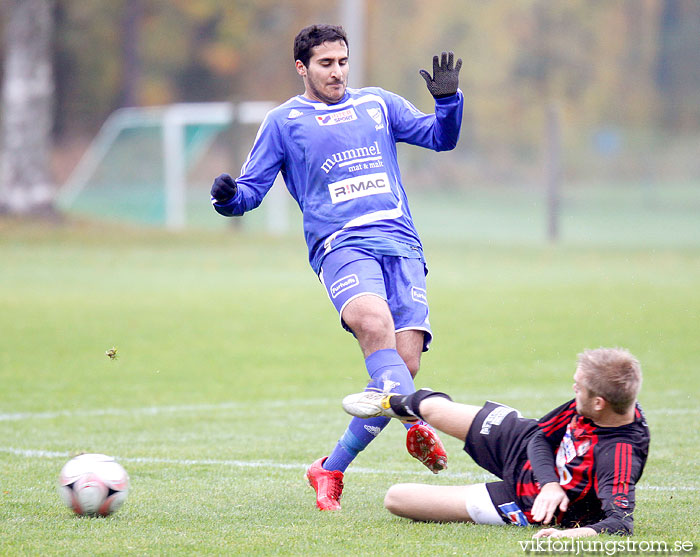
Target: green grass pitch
{"x": 231, "y": 367}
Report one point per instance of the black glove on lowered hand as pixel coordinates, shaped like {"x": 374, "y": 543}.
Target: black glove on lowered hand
{"x": 224, "y": 188}
{"x": 445, "y": 78}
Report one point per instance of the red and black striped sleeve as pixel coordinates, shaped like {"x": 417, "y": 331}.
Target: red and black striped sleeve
{"x": 617, "y": 469}
{"x": 553, "y": 425}
{"x": 541, "y": 456}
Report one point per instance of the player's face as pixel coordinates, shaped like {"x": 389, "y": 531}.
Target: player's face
{"x": 584, "y": 399}
{"x": 326, "y": 76}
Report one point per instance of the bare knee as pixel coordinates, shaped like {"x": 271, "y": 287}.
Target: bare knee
{"x": 396, "y": 498}
{"x": 371, "y": 321}
{"x": 373, "y": 325}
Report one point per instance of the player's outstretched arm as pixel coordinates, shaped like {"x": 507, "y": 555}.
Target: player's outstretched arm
{"x": 445, "y": 79}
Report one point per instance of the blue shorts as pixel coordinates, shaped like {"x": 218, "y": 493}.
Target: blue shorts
{"x": 350, "y": 272}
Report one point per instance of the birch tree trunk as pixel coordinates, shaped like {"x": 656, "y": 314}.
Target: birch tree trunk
{"x": 26, "y": 185}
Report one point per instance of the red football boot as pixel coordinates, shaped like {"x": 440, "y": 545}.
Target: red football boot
{"x": 425, "y": 445}
{"x": 328, "y": 485}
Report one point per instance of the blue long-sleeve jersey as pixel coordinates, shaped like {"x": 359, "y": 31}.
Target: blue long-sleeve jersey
{"x": 339, "y": 163}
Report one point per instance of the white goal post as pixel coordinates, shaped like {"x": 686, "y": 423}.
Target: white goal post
{"x": 176, "y": 154}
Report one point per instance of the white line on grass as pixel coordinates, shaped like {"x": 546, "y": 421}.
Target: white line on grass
{"x": 474, "y": 476}
{"x": 154, "y": 410}
{"x": 32, "y": 453}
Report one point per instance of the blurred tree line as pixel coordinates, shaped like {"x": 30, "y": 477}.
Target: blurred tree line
{"x": 619, "y": 71}
{"x": 609, "y": 64}
{"x": 635, "y": 61}
{"x": 114, "y": 53}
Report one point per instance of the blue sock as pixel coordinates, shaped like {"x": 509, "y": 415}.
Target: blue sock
{"x": 388, "y": 373}
{"x": 357, "y": 436}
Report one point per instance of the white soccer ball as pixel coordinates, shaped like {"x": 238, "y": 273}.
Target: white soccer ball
{"x": 93, "y": 484}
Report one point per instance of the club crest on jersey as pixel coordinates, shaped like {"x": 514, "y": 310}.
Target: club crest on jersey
{"x": 340, "y": 117}
{"x": 582, "y": 449}
{"x": 359, "y": 186}
{"x": 376, "y": 115}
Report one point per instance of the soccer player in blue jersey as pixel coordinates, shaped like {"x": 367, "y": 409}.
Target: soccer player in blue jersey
{"x": 577, "y": 466}
{"x": 336, "y": 149}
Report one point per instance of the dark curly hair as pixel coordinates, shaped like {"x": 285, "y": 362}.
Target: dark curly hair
{"x": 314, "y": 35}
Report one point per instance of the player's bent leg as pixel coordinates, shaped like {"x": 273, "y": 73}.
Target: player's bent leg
{"x": 387, "y": 373}
{"x": 447, "y": 416}
{"x": 376, "y": 402}
{"x": 369, "y": 318}
{"x": 431, "y": 503}
{"x": 422, "y": 442}
{"x": 428, "y": 503}
{"x": 390, "y": 375}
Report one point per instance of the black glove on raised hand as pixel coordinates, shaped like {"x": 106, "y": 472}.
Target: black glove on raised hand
{"x": 445, "y": 78}
{"x": 224, "y": 188}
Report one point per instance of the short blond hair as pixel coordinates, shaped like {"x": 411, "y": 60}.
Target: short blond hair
{"x": 613, "y": 374}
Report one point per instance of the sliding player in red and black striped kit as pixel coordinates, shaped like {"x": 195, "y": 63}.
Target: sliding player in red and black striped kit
{"x": 577, "y": 466}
